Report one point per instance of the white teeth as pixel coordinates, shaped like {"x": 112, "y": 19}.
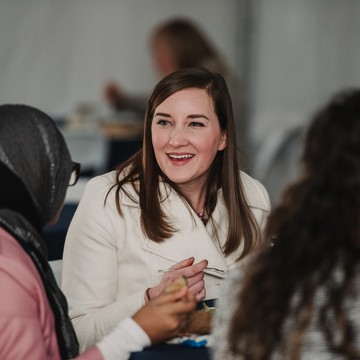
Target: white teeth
{"x": 187, "y": 156}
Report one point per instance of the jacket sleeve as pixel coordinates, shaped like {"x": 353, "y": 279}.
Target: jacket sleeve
{"x": 90, "y": 268}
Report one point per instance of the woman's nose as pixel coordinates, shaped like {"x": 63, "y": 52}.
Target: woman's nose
{"x": 178, "y": 137}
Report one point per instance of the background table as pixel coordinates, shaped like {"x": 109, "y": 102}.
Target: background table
{"x": 99, "y": 147}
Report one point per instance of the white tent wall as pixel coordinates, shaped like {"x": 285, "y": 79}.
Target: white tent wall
{"x": 301, "y": 52}
{"x": 290, "y": 54}
{"x": 57, "y": 53}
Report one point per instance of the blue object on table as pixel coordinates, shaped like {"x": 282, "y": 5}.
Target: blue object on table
{"x": 173, "y": 352}
{"x": 194, "y": 343}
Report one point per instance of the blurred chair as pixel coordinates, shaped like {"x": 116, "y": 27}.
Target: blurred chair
{"x": 277, "y": 162}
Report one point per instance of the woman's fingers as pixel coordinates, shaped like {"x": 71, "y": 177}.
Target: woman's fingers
{"x": 193, "y": 273}
{"x": 183, "y": 263}
{"x": 197, "y": 286}
{"x": 193, "y": 270}
{"x": 200, "y": 295}
{"x": 198, "y": 278}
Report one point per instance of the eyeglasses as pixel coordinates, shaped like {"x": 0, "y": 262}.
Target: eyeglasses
{"x": 75, "y": 173}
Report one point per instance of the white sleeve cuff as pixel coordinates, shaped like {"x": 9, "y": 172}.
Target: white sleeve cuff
{"x": 127, "y": 337}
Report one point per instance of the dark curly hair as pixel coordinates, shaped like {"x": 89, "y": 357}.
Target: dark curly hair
{"x": 315, "y": 231}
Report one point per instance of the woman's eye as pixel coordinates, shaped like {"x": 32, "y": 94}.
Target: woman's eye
{"x": 196, "y": 124}
{"x": 163, "y": 122}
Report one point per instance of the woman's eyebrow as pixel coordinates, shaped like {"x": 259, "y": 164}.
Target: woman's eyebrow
{"x": 162, "y": 114}
{"x": 195, "y": 116}
{"x": 192, "y": 116}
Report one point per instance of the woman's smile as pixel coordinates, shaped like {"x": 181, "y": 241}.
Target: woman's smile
{"x": 180, "y": 158}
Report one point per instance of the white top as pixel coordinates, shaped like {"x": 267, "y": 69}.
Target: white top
{"x": 108, "y": 262}
{"x": 127, "y": 337}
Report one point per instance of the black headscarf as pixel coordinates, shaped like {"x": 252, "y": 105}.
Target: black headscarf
{"x": 35, "y": 168}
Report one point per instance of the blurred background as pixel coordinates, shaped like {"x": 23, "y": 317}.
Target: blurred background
{"x": 287, "y": 56}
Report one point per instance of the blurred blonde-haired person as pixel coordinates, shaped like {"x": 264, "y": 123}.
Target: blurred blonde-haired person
{"x": 176, "y": 43}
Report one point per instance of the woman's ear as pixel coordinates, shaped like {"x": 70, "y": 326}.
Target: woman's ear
{"x": 223, "y": 143}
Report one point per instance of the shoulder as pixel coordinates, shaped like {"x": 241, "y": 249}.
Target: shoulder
{"x": 99, "y": 186}
{"x": 106, "y": 184}
{"x": 255, "y": 192}
{"x": 95, "y": 192}
{"x": 102, "y": 182}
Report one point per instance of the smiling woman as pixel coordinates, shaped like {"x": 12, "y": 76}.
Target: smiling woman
{"x": 187, "y": 137}
{"x": 144, "y": 216}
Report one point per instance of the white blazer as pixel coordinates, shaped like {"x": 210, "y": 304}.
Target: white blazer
{"x": 108, "y": 262}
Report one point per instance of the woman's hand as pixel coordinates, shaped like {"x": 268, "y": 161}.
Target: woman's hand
{"x": 192, "y": 272}
{"x": 163, "y": 317}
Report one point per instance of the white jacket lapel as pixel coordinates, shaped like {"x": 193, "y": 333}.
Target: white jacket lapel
{"x": 199, "y": 242}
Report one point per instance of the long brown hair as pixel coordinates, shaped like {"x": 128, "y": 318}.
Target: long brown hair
{"x": 316, "y": 235}
{"x": 143, "y": 172}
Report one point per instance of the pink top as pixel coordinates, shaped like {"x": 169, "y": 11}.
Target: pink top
{"x": 27, "y": 329}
